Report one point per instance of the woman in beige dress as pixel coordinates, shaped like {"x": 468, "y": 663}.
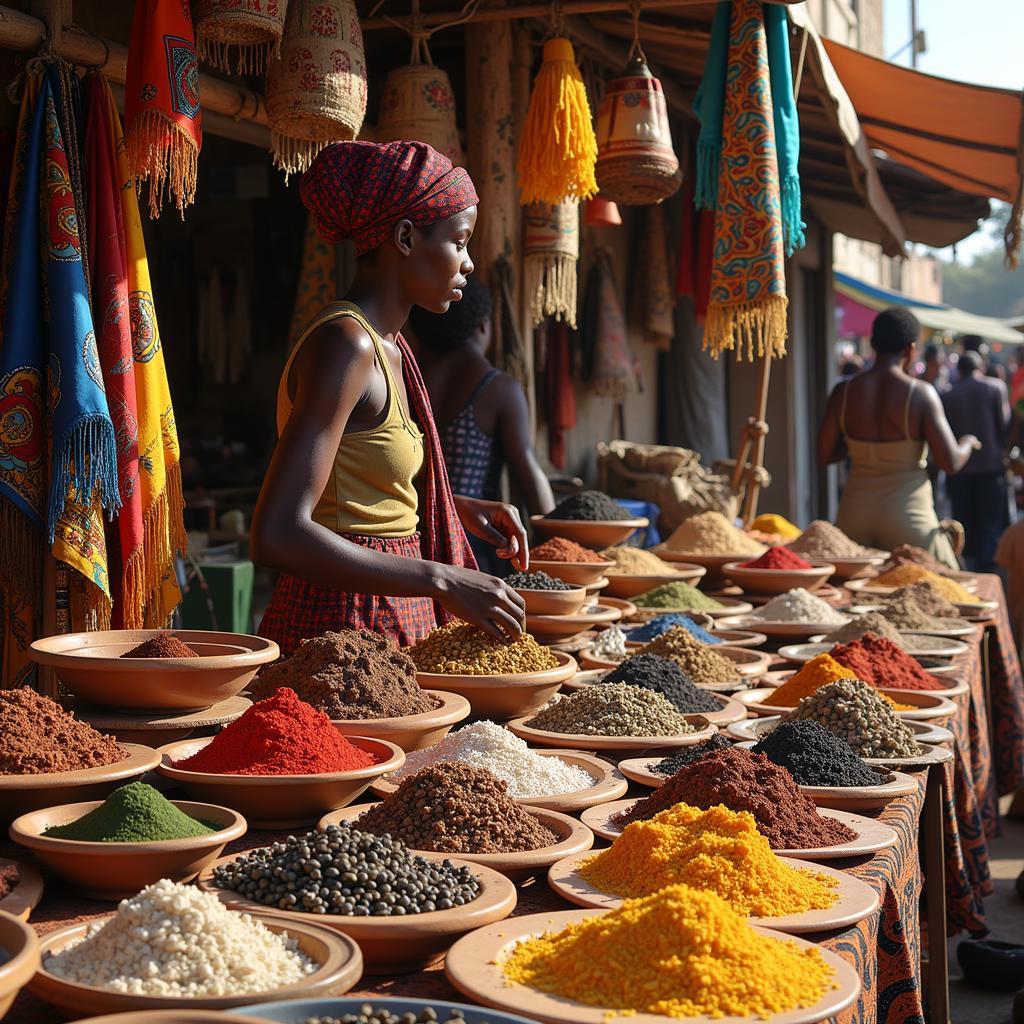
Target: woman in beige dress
{"x": 886, "y": 422}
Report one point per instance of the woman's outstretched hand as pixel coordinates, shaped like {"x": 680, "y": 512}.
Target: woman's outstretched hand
{"x": 498, "y": 524}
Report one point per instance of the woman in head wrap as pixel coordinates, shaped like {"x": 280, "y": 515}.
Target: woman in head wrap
{"x": 338, "y": 514}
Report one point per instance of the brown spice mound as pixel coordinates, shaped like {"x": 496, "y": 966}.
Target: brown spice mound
{"x": 9, "y": 878}
{"x": 559, "y": 549}
{"x": 743, "y": 781}
{"x": 37, "y": 736}
{"x": 352, "y": 674}
{"x": 926, "y": 597}
{"x": 163, "y": 645}
{"x": 451, "y": 807}
{"x": 909, "y": 553}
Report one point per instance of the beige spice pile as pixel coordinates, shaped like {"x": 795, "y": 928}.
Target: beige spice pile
{"x": 701, "y": 664}
{"x": 462, "y": 649}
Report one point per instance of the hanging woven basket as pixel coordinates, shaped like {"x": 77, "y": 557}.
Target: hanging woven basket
{"x": 239, "y": 37}
{"x": 418, "y": 105}
{"x": 316, "y": 92}
{"x": 636, "y": 163}
{"x": 551, "y": 246}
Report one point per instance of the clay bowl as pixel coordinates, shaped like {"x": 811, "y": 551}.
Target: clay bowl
{"x": 852, "y": 568}
{"x": 20, "y": 794}
{"x": 25, "y": 896}
{"x": 770, "y": 582}
{"x": 554, "y": 602}
{"x": 750, "y": 730}
{"x": 341, "y": 966}
{"x": 90, "y": 666}
{"x": 411, "y": 732}
{"x": 504, "y": 696}
{"x": 581, "y": 573}
{"x": 557, "y": 629}
{"x": 608, "y": 784}
{"x": 702, "y": 730}
{"x": 115, "y": 871}
{"x": 712, "y": 563}
{"x": 279, "y": 801}
{"x": 926, "y": 706}
{"x": 864, "y": 798}
{"x": 739, "y": 637}
{"x": 731, "y": 606}
{"x": 572, "y": 838}
{"x": 395, "y": 945}
{"x": 173, "y": 1017}
{"x": 19, "y": 958}
{"x": 299, "y": 1010}
{"x": 620, "y": 585}
{"x": 593, "y": 534}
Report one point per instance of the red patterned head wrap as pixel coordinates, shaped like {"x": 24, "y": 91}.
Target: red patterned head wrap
{"x": 361, "y": 190}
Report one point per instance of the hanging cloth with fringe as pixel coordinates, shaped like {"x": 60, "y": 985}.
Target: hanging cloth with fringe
{"x": 652, "y": 287}
{"x": 163, "y": 121}
{"x": 747, "y": 308}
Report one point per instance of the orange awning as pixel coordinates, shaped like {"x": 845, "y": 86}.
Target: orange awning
{"x": 970, "y": 137}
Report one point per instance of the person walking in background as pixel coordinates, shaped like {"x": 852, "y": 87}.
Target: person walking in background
{"x": 935, "y": 371}
{"x": 980, "y": 405}
{"x": 482, "y": 416}
{"x": 886, "y": 421}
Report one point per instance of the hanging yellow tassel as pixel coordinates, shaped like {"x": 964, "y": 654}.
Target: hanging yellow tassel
{"x": 558, "y": 149}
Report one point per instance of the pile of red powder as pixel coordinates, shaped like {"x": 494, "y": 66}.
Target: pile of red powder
{"x": 743, "y": 781}
{"x": 778, "y": 558}
{"x": 884, "y": 665}
{"x": 281, "y": 735}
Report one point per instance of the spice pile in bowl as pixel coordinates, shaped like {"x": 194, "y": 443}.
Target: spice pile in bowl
{"x": 663, "y": 623}
{"x": 905, "y": 553}
{"x": 822, "y": 541}
{"x": 610, "y": 644}
{"x": 9, "y": 879}
{"x": 464, "y": 650}
{"x": 710, "y": 533}
{"x": 882, "y": 664}
{"x": 879, "y": 625}
{"x": 778, "y": 558}
{"x": 926, "y": 597}
{"x": 349, "y": 675}
{"x": 816, "y": 757}
{"x": 799, "y": 605}
{"x": 136, "y": 813}
{"x": 343, "y": 870}
{"x": 280, "y": 735}
{"x": 536, "y": 581}
{"x": 711, "y": 774}
{"x": 590, "y": 506}
{"x": 909, "y": 573}
{"x": 37, "y": 737}
{"x": 664, "y": 676}
{"x": 676, "y": 595}
{"x": 670, "y": 764}
{"x": 163, "y": 645}
{"x": 370, "y": 1014}
{"x": 903, "y": 609}
{"x": 614, "y": 710}
{"x": 813, "y": 675}
{"x": 630, "y": 561}
{"x": 558, "y": 549}
{"x": 699, "y": 664}
{"x": 455, "y": 808}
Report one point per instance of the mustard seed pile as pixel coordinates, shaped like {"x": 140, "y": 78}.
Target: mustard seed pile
{"x": 615, "y": 710}
{"x": 453, "y": 808}
{"x": 702, "y": 665}
{"x": 463, "y": 650}
{"x": 351, "y": 674}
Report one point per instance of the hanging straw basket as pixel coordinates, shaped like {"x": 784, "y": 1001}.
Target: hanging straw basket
{"x": 636, "y": 163}
{"x": 316, "y": 92}
{"x": 418, "y": 105}
{"x": 551, "y": 246}
{"x": 249, "y": 32}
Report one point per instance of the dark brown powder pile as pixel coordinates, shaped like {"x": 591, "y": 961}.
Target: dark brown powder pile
{"x": 904, "y": 612}
{"x": 163, "y": 645}
{"x": 746, "y": 782}
{"x": 38, "y": 736}
{"x": 929, "y": 600}
{"x": 352, "y": 674}
{"x": 451, "y": 807}
{"x": 9, "y": 878}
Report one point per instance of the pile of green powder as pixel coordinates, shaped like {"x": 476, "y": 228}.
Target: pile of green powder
{"x": 678, "y": 596}
{"x": 135, "y": 813}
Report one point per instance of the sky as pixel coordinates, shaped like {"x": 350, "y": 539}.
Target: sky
{"x": 979, "y": 42}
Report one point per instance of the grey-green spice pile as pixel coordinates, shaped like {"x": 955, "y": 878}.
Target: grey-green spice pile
{"x": 854, "y": 711}
{"x": 617, "y": 709}
{"x": 536, "y": 581}
{"x": 880, "y": 625}
{"x": 345, "y": 871}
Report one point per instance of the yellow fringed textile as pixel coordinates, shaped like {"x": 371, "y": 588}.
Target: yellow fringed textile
{"x": 558, "y": 148}
{"x": 750, "y": 329}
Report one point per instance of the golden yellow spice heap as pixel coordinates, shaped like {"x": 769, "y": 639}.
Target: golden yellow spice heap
{"x": 462, "y": 649}
{"x": 718, "y": 850}
{"x": 813, "y": 675}
{"x": 678, "y": 953}
{"x": 908, "y": 574}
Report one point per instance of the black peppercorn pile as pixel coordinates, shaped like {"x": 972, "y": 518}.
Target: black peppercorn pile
{"x": 345, "y": 871}
{"x": 670, "y": 765}
{"x": 664, "y": 676}
{"x": 591, "y": 506}
{"x": 369, "y": 1014}
{"x": 536, "y": 581}
{"x": 815, "y": 757}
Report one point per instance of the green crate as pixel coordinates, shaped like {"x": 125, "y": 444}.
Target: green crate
{"x": 230, "y": 589}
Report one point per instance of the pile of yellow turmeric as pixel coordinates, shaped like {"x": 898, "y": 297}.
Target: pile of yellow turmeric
{"x": 813, "y": 675}
{"x": 717, "y": 850}
{"x": 680, "y": 953}
{"x": 908, "y": 573}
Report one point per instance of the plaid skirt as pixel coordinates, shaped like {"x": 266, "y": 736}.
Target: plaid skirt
{"x": 299, "y": 610}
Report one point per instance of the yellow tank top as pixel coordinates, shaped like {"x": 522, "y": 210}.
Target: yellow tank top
{"x": 370, "y": 490}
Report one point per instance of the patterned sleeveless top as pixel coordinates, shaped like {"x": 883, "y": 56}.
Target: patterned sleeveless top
{"x": 473, "y": 458}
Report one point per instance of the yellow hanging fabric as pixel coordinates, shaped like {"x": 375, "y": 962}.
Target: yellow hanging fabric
{"x": 558, "y": 149}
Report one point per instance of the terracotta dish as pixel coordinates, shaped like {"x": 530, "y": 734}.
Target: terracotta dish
{"x": 581, "y": 573}
{"x": 297, "y": 1011}
{"x": 593, "y": 534}
{"x": 341, "y": 966}
{"x": 777, "y": 581}
{"x": 115, "y": 871}
{"x": 851, "y": 568}
{"x": 19, "y": 958}
{"x": 730, "y": 606}
{"x": 623, "y": 585}
{"x": 396, "y": 945}
{"x": 703, "y": 730}
{"x": 279, "y": 801}
{"x": 554, "y": 602}
{"x": 25, "y": 896}
{"x": 557, "y": 629}
{"x": 411, "y": 732}
{"x": 926, "y": 704}
{"x": 732, "y": 710}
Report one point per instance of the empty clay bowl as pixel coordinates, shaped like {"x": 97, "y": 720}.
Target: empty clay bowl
{"x": 19, "y": 958}
{"x": 580, "y": 573}
{"x": 572, "y": 837}
{"x": 20, "y": 794}
{"x": 553, "y": 602}
{"x": 396, "y": 945}
{"x": 91, "y": 667}
{"x": 411, "y": 732}
{"x": 341, "y": 966}
{"x": 114, "y": 871}
{"x": 501, "y": 697}
{"x": 631, "y": 586}
{"x": 280, "y": 801}
{"x": 777, "y": 581}
{"x": 593, "y": 534}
